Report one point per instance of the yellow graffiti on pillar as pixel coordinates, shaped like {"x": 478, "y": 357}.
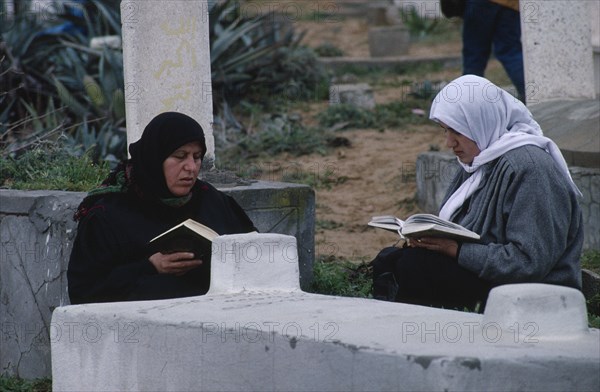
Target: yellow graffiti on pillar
{"x": 181, "y": 93}
{"x": 185, "y": 53}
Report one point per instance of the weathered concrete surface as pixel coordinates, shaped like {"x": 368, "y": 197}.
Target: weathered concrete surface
{"x": 575, "y": 128}
{"x": 35, "y": 244}
{"x": 257, "y": 336}
{"x": 36, "y": 235}
{"x": 388, "y": 41}
{"x": 557, "y": 50}
{"x": 167, "y": 64}
{"x": 359, "y": 95}
{"x": 435, "y": 170}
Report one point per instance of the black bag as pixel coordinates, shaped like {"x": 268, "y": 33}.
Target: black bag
{"x": 451, "y": 8}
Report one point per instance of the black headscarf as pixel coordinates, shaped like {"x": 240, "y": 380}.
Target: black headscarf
{"x": 143, "y": 174}
{"x": 163, "y": 135}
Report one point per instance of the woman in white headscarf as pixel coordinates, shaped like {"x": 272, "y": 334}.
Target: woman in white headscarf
{"x": 514, "y": 189}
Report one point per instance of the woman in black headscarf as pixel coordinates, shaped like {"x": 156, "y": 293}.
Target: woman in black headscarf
{"x": 146, "y": 195}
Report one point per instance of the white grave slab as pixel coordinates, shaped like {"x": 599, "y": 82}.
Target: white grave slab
{"x": 255, "y": 330}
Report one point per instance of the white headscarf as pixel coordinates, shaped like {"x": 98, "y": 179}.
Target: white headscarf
{"x": 496, "y": 121}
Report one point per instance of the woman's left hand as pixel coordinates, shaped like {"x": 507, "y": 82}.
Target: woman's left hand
{"x": 444, "y": 246}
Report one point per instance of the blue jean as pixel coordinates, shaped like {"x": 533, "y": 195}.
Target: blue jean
{"x": 490, "y": 26}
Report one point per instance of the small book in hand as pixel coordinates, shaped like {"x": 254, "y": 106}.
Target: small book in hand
{"x": 188, "y": 236}
{"x": 423, "y": 225}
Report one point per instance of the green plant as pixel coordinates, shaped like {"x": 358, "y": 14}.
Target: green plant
{"x": 590, "y": 259}
{"x": 55, "y": 84}
{"x": 315, "y": 180}
{"x": 48, "y": 166}
{"x": 393, "y": 114}
{"x": 417, "y": 25}
{"x": 15, "y": 384}
{"x": 328, "y": 225}
{"x": 253, "y": 56}
{"x": 334, "y": 276}
{"x": 593, "y": 320}
{"x": 276, "y": 133}
{"x": 328, "y": 50}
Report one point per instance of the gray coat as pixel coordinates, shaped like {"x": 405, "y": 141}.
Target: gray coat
{"x": 528, "y": 218}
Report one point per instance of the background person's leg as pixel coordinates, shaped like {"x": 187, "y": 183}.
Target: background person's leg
{"x": 508, "y": 49}
{"x": 478, "y": 30}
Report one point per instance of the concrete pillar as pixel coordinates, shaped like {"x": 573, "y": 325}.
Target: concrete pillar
{"x": 166, "y": 59}
{"x": 557, "y": 50}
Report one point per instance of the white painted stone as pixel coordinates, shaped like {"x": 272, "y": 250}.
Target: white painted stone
{"x": 557, "y": 50}
{"x": 359, "y": 95}
{"x": 284, "y": 339}
{"x": 108, "y": 41}
{"x": 388, "y": 41}
{"x": 546, "y": 311}
{"x": 254, "y": 263}
{"x": 167, "y": 64}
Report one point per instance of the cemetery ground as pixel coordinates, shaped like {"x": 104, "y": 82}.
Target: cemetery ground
{"x": 366, "y": 163}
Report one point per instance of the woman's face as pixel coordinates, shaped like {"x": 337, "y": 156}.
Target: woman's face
{"x": 182, "y": 167}
{"x": 464, "y": 148}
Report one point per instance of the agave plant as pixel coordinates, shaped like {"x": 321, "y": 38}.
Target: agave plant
{"x": 55, "y": 84}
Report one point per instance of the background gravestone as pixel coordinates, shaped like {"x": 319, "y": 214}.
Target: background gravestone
{"x": 167, "y": 64}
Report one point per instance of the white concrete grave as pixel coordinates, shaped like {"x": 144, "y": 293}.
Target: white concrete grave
{"x": 255, "y": 330}
{"x": 166, "y": 64}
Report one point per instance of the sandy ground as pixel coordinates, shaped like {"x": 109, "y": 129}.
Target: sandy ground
{"x": 375, "y": 175}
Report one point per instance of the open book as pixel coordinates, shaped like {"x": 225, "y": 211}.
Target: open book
{"x": 188, "y": 236}
{"x": 423, "y": 225}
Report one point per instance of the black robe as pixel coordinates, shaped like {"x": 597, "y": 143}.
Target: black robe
{"x": 109, "y": 261}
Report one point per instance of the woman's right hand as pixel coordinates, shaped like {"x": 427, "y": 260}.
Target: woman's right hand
{"x": 177, "y": 263}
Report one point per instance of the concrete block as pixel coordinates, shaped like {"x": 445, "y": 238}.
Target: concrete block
{"x": 251, "y": 263}
{"x": 434, "y": 173}
{"x": 526, "y": 307}
{"x": 359, "y": 95}
{"x": 388, "y": 41}
{"x": 34, "y": 252}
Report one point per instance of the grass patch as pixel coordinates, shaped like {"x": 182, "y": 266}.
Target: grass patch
{"x": 328, "y": 225}
{"x": 593, "y": 321}
{"x": 315, "y": 180}
{"x": 590, "y": 259}
{"x": 328, "y": 50}
{"x": 15, "y": 384}
{"x": 50, "y": 167}
{"x": 335, "y": 276}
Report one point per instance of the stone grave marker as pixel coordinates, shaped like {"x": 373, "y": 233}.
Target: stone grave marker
{"x": 166, "y": 64}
